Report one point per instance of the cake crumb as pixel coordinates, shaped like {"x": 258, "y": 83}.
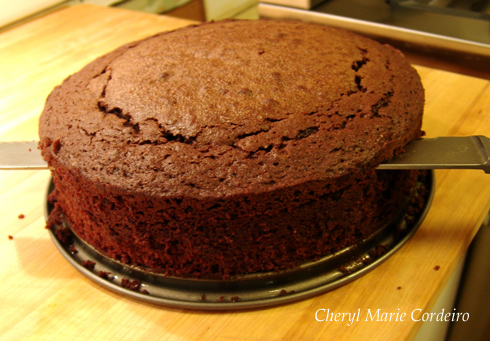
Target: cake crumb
{"x": 131, "y": 285}
{"x": 64, "y": 235}
{"x": 284, "y": 292}
{"x": 88, "y": 264}
{"x": 105, "y": 275}
{"x": 21, "y": 216}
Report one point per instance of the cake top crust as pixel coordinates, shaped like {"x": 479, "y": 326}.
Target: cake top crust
{"x": 234, "y": 107}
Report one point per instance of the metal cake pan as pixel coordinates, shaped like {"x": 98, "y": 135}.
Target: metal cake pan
{"x": 248, "y": 291}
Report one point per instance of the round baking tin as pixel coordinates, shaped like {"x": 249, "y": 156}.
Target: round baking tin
{"x": 248, "y": 291}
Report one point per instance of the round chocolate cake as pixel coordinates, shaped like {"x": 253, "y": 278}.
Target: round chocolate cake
{"x": 232, "y": 147}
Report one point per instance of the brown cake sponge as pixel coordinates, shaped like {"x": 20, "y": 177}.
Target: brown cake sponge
{"x": 232, "y": 147}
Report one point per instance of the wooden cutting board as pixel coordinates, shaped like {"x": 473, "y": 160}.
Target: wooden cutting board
{"x": 43, "y": 296}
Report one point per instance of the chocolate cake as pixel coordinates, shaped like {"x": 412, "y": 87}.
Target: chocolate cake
{"x": 232, "y": 147}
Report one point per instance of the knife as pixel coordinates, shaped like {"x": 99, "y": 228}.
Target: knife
{"x": 21, "y": 155}
{"x": 448, "y": 152}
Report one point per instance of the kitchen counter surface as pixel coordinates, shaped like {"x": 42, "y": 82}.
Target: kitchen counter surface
{"x": 44, "y": 296}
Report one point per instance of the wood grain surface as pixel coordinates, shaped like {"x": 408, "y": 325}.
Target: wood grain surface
{"x": 43, "y": 297}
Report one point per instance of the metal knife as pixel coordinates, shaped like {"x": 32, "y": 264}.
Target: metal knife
{"x": 469, "y": 152}
{"x": 21, "y": 155}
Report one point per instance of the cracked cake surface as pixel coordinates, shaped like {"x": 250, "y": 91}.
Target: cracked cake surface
{"x": 229, "y": 124}
{"x": 236, "y": 103}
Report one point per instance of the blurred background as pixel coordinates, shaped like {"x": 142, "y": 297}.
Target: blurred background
{"x": 13, "y": 12}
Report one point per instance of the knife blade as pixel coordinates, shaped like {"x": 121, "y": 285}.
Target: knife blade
{"x": 446, "y": 152}
{"x": 21, "y": 155}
